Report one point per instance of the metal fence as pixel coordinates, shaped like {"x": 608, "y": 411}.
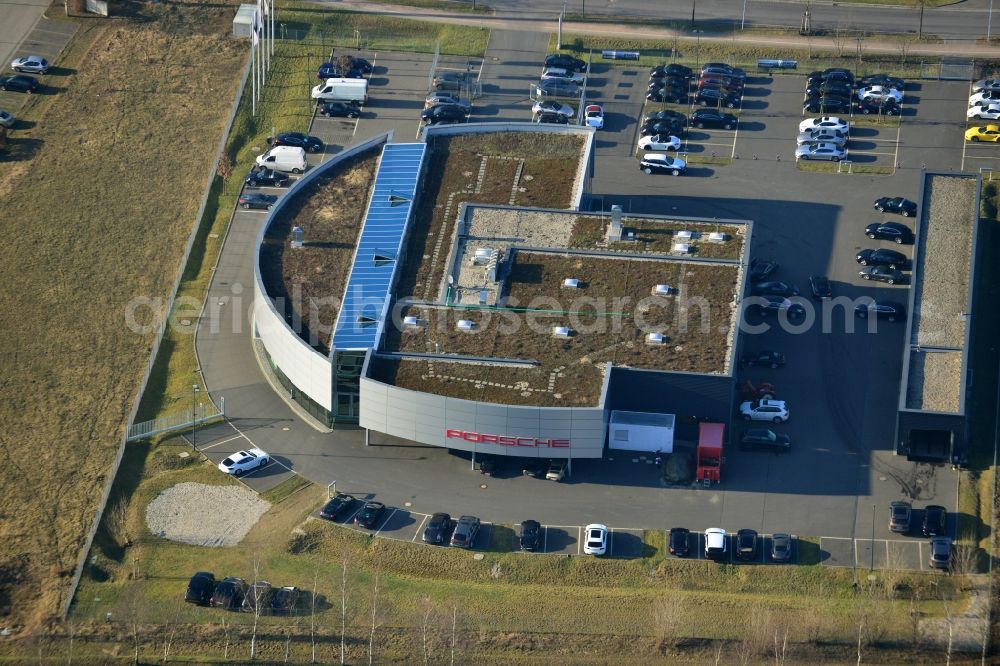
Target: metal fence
{"x": 202, "y": 414}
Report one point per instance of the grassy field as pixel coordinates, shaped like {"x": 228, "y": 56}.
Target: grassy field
{"x": 99, "y": 196}
{"x": 506, "y": 607}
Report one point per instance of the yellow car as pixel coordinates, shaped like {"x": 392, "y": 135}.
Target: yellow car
{"x": 986, "y": 133}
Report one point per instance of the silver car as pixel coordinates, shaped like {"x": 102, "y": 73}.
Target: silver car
{"x": 446, "y": 98}
{"x": 986, "y": 84}
{"x": 821, "y": 151}
{"x": 32, "y": 64}
{"x": 6, "y": 118}
{"x": 823, "y": 136}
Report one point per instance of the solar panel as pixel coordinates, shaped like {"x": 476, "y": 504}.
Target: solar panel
{"x": 366, "y": 298}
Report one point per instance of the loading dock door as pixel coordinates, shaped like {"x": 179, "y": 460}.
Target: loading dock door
{"x": 641, "y": 431}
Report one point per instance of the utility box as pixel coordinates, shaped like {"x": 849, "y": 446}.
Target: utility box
{"x": 243, "y": 22}
{"x": 641, "y": 431}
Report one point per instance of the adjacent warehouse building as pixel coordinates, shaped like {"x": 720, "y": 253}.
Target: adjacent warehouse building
{"x": 483, "y": 311}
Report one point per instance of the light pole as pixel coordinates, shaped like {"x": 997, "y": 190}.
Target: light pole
{"x": 694, "y": 4}
{"x": 989, "y": 21}
{"x": 194, "y": 415}
{"x": 744, "y": 19}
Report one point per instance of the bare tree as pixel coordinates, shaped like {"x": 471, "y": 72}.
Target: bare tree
{"x": 454, "y": 632}
{"x": 904, "y": 49}
{"x": 668, "y": 617}
{"x": 312, "y": 619}
{"x": 371, "y": 636}
{"x": 840, "y": 39}
{"x": 258, "y": 595}
{"x": 861, "y": 629}
{"x": 343, "y": 608}
{"x": 426, "y": 609}
{"x": 718, "y": 654}
{"x": 171, "y": 633}
{"x": 951, "y": 628}
{"x": 225, "y": 631}
{"x": 70, "y": 631}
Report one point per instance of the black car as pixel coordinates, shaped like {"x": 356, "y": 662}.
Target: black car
{"x": 673, "y": 69}
{"x": 940, "y": 553}
{"x": 723, "y": 69}
{"x": 765, "y": 359}
{"x": 557, "y": 88}
{"x": 781, "y": 547}
{"x": 898, "y": 233}
{"x": 819, "y": 285}
{"x": 257, "y": 200}
{"x": 874, "y": 107}
{"x": 370, "y": 514}
{"x": 438, "y": 529}
{"x": 880, "y": 274}
{"x": 487, "y": 464}
{"x": 19, "y": 83}
{"x": 362, "y": 64}
{"x": 717, "y": 97}
{"x": 264, "y": 177}
{"x": 552, "y": 118}
{"x": 229, "y": 593}
{"x": 838, "y": 88}
{"x": 200, "y": 588}
{"x": 564, "y": 61}
{"x": 339, "y": 110}
{"x": 768, "y": 440}
{"x": 935, "y": 517}
{"x": 311, "y": 144}
{"x": 746, "y": 544}
{"x": 703, "y": 118}
{"x": 443, "y": 114}
{"x": 827, "y": 104}
{"x": 832, "y": 74}
{"x": 897, "y": 205}
{"x": 449, "y": 81}
{"x": 761, "y": 269}
{"x": 465, "y": 532}
{"x": 721, "y": 81}
{"x": 258, "y": 597}
{"x": 774, "y": 289}
{"x": 668, "y": 95}
{"x": 883, "y": 80}
{"x": 776, "y": 304}
{"x": 665, "y": 114}
{"x": 669, "y": 82}
{"x": 336, "y": 506}
{"x": 678, "y": 544}
{"x": 900, "y": 513}
{"x": 881, "y": 257}
{"x": 888, "y": 310}
{"x": 531, "y": 535}
{"x": 667, "y": 126}
{"x": 285, "y": 600}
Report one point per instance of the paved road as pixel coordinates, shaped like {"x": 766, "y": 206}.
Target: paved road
{"x": 18, "y": 19}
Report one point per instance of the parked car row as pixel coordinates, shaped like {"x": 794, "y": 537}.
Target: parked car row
{"x": 235, "y": 594}
{"x": 22, "y": 82}
{"x": 934, "y": 525}
{"x": 823, "y": 138}
{"x": 716, "y": 85}
{"x": 835, "y": 90}
{"x": 562, "y": 75}
{"x": 747, "y": 543}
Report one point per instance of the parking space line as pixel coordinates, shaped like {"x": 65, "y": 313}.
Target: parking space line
{"x": 386, "y": 522}
{"x": 272, "y": 460}
{"x": 422, "y": 521}
{"x": 920, "y": 554}
{"x": 205, "y": 448}
{"x": 579, "y": 538}
{"x": 611, "y": 542}
{"x": 855, "y": 548}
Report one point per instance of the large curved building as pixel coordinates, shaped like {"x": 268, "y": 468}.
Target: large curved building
{"x": 481, "y": 309}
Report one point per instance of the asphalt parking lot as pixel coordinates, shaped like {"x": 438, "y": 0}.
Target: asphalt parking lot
{"x": 47, "y": 39}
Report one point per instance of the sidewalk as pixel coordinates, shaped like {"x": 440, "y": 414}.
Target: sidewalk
{"x": 535, "y": 23}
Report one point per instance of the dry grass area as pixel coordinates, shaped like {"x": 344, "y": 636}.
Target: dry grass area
{"x": 547, "y": 178}
{"x": 609, "y": 318}
{"x": 935, "y": 381}
{"x": 657, "y": 236}
{"x": 308, "y": 283}
{"x": 115, "y": 173}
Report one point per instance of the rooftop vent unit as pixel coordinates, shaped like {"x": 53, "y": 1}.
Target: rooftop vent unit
{"x": 683, "y": 235}
{"x": 571, "y": 283}
{"x": 663, "y": 290}
{"x": 466, "y": 325}
{"x": 681, "y": 248}
{"x": 615, "y": 228}
{"x": 655, "y": 339}
{"x": 298, "y": 237}
{"x": 562, "y": 332}
{"x": 718, "y": 237}
{"x": 412, "y": 322}
{"x": 482, "y": 256}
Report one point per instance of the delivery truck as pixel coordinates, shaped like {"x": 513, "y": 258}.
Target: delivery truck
{"x": 342, "y": 90}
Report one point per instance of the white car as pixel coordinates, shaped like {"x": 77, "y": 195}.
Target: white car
{"x": 553, "y": 107}
{"x": 986, "y": 84}
{"x": 821, "y": 151}
{"x": 984, "y": 98}
{"x": 242, "y": 462}
{"x": 659, "y": 142}
{"x": 595, "y": 539}
{"x": 826, "y": 123}
{"x": 6, "y": 118}
{"x": 559, "y": 74}
{"x": 594, "y": 114}
{"x": 31, "y": 64}
{"x": 716, "y": 543}
{"x": 835, "y": 137}
{"x": 880, "y": 93}
{"x": 764, "y": 410}
{"x": 991, "y": 112}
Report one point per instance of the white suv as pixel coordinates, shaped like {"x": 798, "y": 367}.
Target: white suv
{"x": 595, "y": 539}
{"x": 716, "y": 543}
{"x": 764, "y": 410}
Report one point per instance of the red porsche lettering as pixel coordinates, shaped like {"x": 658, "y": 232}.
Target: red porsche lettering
{"x": 504, "y": 440}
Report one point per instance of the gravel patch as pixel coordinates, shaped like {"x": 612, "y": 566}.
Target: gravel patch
{"x": 934, "y": 383}
{"x": 205, "y": 515}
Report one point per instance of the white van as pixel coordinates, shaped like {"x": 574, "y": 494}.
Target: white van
{"x": 342, "y": 90}
{"x": 284, "y": 158}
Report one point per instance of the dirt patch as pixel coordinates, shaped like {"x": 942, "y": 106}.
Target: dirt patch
{"x": 205, "y": 515}
{"x": 307, "y": 283}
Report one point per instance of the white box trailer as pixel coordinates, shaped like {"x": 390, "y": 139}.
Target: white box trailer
{"x": 342, "y": 90}
{"x": 641, "y": 431}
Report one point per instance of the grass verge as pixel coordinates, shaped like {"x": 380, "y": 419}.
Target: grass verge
{"x": 285, "y": 489}
{"x": 831, "y": 167}
{"x": 464, "y": 6}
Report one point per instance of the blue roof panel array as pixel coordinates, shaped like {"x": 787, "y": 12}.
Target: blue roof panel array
{"x": 380, "y": 247}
